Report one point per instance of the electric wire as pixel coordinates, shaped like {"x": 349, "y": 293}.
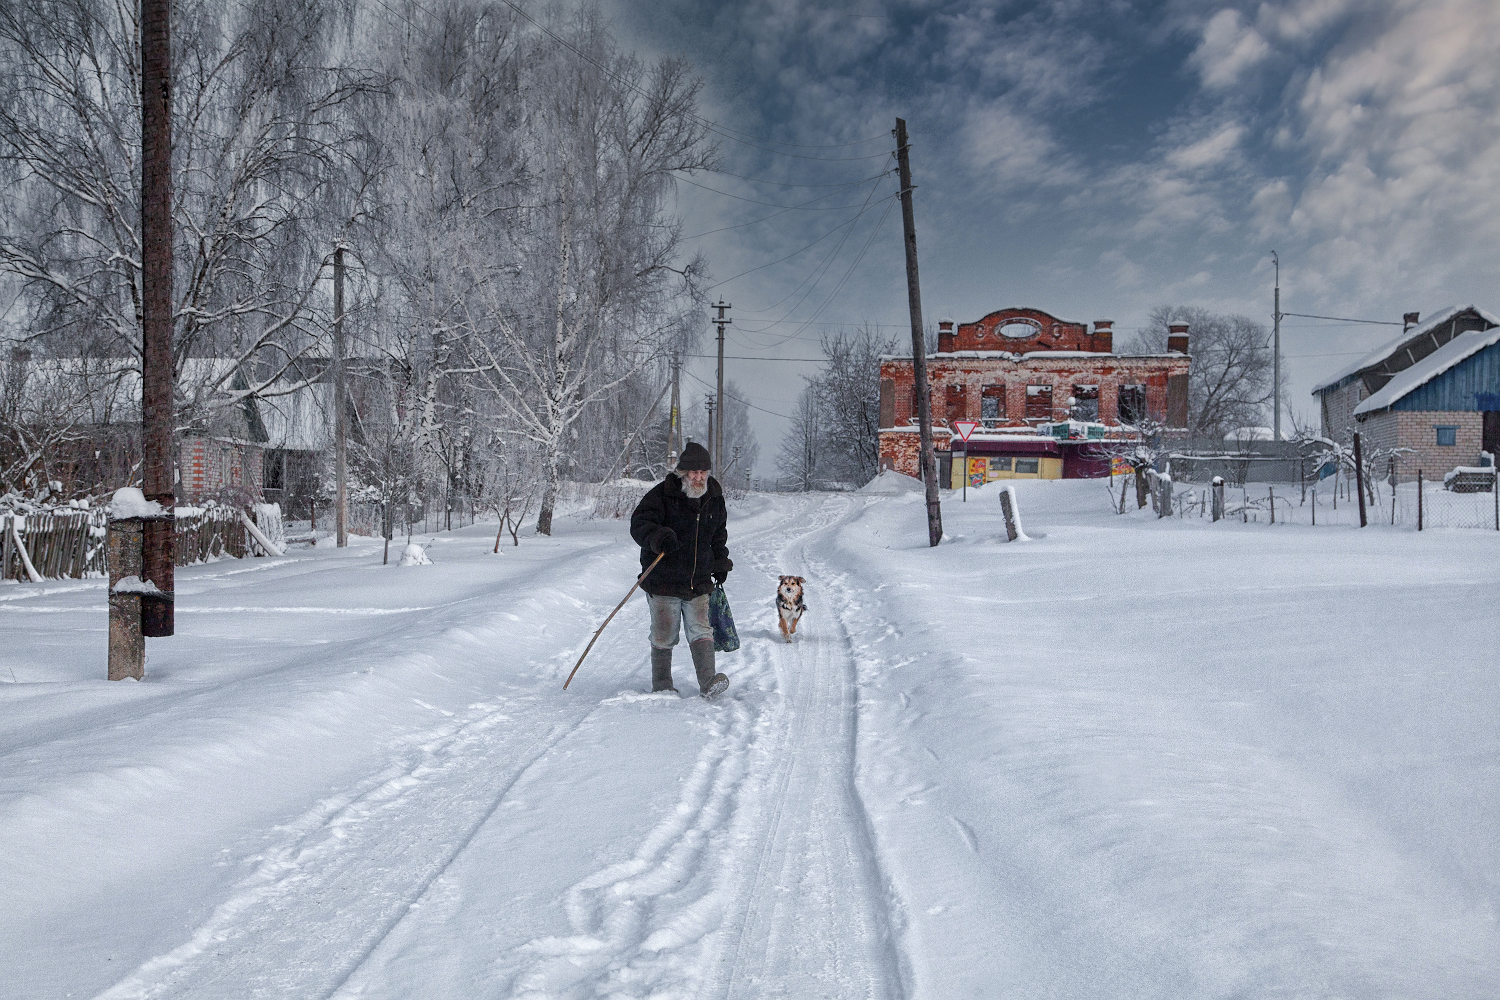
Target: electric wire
{"x": 788, "y": 208}
{"x": 794, "y": 253}
{"x": 731, "y": 395}
{"x": 842, "y": 281}
{"x": 760, "y": 180}
{"x": 739, "y": 357}
{"x": 1346, "y": 319}
{"x": 817, "y": 273}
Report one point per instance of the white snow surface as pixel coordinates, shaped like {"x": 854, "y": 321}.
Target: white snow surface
{"x": 129, "y": 501}
{"x": 414, "y": 555}
{"x": 1134, "y": 758}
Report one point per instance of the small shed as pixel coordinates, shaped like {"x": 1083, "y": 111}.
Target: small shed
{"x": 1443, "y": 411}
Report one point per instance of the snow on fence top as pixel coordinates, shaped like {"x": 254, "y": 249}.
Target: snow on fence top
{"x": 131, "y": 502}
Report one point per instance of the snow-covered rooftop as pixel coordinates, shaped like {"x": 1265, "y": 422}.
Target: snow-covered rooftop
{"x": 1463, "y": 346}
{"x": 1386, "y": 350}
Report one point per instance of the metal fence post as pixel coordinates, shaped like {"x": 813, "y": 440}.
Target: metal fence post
{"x": 1419, "y": 499}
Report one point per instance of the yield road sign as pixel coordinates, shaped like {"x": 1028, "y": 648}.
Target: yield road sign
{"x": 965, "y": 428}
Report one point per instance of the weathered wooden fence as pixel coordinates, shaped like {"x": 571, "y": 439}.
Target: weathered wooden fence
{"x": 62, "y": 544}
{"x": 59, "y": 545}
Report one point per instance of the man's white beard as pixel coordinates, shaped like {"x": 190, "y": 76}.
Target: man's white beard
{"x": 694, "y": 492}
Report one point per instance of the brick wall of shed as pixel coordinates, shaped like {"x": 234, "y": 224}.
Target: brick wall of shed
{"x": 1337, "y": 411}
{"x": 1417, "y": 430}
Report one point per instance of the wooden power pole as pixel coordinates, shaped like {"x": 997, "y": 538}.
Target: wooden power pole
{"x": 918, "y": 347}
{"x": 340, "y": 425}
{"x": 1276, "y": 352}
{"x": 716, "y": 439}
{"x": 674, "y": 429}
{"x": 158, "y": 377}
{"x": 710, "y": 402}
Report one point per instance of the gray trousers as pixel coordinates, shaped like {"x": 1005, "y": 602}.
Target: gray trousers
{"x": 668, "y": 614}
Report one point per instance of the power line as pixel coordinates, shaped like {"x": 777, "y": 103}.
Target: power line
{"x": 759, "y": 180}
{"x": 787, "y": 208}
{"x": 874, "y": 231}
{"x": 794, "y": 253}
{"x": 733, "y": 357}
{"x": 817, "y": 273}
{"x": 734, "y": 397}
{"x": 1346, "y": 319}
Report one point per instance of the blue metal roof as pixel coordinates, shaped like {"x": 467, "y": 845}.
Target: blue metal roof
{"x": 1472, "y": 384}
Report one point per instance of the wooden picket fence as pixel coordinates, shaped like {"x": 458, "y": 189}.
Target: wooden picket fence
{"x": 59, "y": 545}
{"x": 63, "y": 545}
{"x": 210, "y": 532}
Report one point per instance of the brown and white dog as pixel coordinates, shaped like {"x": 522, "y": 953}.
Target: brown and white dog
{"x": 789, "y": 606}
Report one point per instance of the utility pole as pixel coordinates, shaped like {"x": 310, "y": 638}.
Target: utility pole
{"x": 674, "y": 429}
{"x": 718, "y": 439}
{"x": 708, "y": 400}
{"x": 159, "y": 540}
{"x": 1276, "y": 349}
{"x": 340, "y": 425}
{"x": 918, "y": 348}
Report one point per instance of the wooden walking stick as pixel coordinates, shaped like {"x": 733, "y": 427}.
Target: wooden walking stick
{"x": 607, "y": 620}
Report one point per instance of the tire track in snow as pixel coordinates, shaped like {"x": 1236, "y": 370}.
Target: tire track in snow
{"x": 344, "y": 878}
{"x": 665, "y": 921}
{"x": 647, "y": 926}
{"x": 343, "y": 874}
{"x": 812, "y": 915}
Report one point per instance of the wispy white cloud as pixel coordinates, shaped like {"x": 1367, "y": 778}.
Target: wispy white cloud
{"x": 1229, "y": 48}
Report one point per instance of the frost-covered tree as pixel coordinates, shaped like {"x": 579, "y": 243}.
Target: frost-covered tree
{"x": 259, "y": 131}
{"x": 596, "y": 287}
{"x": 1230, "y": 381}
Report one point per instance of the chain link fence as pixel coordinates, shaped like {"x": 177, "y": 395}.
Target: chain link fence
{"x": 1469, "y": 503}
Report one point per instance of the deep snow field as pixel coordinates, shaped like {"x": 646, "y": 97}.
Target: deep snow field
{"x": 1123, "y": 758}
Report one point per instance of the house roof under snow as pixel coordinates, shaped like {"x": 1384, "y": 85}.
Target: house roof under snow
{"x": 1382, "y": 353}
{"x": 1407, "y": 381}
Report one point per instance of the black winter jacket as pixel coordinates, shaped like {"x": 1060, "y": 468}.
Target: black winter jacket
{"x": 702, "y": 531}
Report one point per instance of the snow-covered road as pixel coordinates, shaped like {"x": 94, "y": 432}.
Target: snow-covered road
{"x": 1128, "y": 758}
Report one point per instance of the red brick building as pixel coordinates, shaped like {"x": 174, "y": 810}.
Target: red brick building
{"x": 1051, "y": 396}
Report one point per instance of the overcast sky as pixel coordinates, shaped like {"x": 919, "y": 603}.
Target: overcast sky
{"x": 1092, "y": 159}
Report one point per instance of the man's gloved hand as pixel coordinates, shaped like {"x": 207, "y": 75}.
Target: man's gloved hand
{"x": 664, "y": 540}
{"x": 721, "y": 571}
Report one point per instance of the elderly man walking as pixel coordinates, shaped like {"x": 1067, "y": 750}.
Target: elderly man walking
{"x": 684, "y": 516}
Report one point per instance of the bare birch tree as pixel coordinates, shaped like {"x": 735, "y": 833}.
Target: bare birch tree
{"x": 593, "y": 297}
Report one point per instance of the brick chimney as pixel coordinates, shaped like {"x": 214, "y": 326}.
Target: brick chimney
{"x": 945, "y": 336}
{"x": 1104, "y": 336}
{"x": 1177, "y": 337}
{"x": 1409, "y": 320}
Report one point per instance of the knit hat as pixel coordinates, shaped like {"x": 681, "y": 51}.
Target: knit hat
{"x": 694, "y": 458}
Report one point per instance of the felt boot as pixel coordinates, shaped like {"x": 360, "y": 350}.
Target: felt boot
{"x": 661, "y": 670}
{"x": 709, "y": 682}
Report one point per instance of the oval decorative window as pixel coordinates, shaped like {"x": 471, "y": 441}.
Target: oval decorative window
{"x": 1018, "y": 330}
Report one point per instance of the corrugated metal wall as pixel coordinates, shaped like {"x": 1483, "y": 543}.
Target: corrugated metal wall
{"x": 1459, "y": 387}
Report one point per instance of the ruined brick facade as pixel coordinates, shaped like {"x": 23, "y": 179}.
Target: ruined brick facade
{"x": 1016, "y": 369}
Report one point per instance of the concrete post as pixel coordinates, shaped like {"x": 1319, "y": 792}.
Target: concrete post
{"x": 1218, "y": 498}
{"x": 127, "y": 645}
{"x": 1008, "y": 509}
